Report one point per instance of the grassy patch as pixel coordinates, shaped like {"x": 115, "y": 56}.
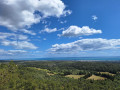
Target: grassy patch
{"x": 107, "y": 73}
{"x": 74, "y": 76}
{"x": 94, "y": 77}
{"x": 40, "y": 69}
{"x": 50, "y": 74}
{"x": 47, "y": 71}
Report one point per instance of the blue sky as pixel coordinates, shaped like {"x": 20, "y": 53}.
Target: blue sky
{"x": 59, "y": 28}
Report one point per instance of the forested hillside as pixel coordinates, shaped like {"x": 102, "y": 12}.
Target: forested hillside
{"x": 59, "y": 75}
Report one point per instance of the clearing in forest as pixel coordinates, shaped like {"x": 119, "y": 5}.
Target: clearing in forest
{"x": 94, "y": 77}
{"x": 39, "y": 69}
{"x": 47, "y": 71}
{"x": 50, "y": 74}
{"x": 107, "y": 73}
{"x": 74, "y": 76}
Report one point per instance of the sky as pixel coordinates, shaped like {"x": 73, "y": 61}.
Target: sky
{"x": 59, "y": 28}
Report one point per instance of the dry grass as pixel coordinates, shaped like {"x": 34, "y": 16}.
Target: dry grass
{"x": 107, "y": 73}
{"x": 94, "y": 77}
{"x": 50, "y": 74}
{"x": 47, "y": 71}
{"x": 40, "y": 69}
{"x": 74, "y": 76}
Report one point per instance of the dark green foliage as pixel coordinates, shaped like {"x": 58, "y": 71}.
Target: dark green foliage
{"x": 22, "y": 76}
{"x": 67, "y": 73}
{"x": 58, "y": 66}
{"x": 87, "y": 75}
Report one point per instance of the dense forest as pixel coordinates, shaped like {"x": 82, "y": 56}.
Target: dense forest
{"x": 55, "y": 75}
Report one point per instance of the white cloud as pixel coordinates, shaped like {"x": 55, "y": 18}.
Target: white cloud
{"x": 44, "y": 39}
{"x": 11, "y": 52}
{"x": 22, "y": 37}
{"x": 67, "y": 12}
{"x": 2, "y": 52}
{"x": 28, "y": 32}
{"x": 19, "y": 44}
{"x": 17, "y": 51}
{"x": 62, "y": 22}
{"x": 4, "y": 35}
{"x": 18, "y": 41}
{"x": 94, "y": 17}
{"x": 18, "y": 14}
{"x": 86, "y": 45}
{"x": 48, "y": 30}
{"x": 73, "y": 31}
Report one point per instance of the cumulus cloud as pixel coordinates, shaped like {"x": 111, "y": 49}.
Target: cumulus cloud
{"x": 28, "y": 32}
{"x": 18, "y": 14}
{"x": 2, "y": 52}
{"x": 19, "y": 44}
{"x": 86, "y": 45}
{"x": 4, "y": 35}
{"x": 22, "y": 37}
{"x": 48, "y": 30}
{"x": 18, "y": 41}
{"x": 73, "y": 31}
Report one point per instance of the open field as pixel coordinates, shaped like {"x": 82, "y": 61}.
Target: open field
{"x": 47, "y": 71}
{"x": 40, "y": 69}
{"x": 50, "y": 74}
{"x": 94, "y": 77}
{"x": 74, "y": 76}
{"x": 107, "y": 73}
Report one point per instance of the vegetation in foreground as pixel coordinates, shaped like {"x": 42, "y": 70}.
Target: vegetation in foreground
{"x": 59, "y": 75}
